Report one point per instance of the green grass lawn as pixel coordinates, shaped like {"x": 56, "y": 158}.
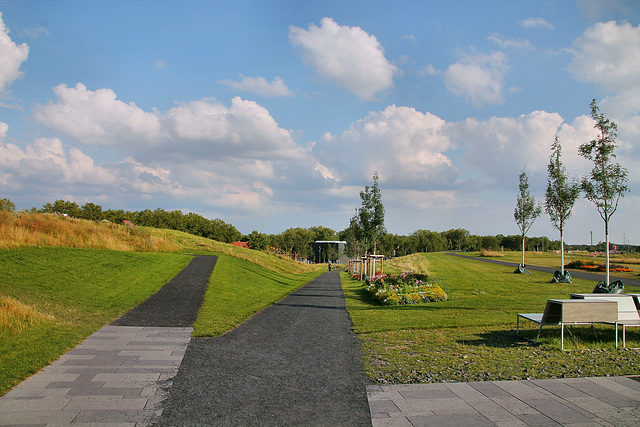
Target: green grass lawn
{"x": 472, "y": 336}
{"x": 77, "y": 291}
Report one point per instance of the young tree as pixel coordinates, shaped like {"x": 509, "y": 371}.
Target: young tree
{"x": 607, "y": 181}
{"x": 371, "y": 215}
{"x": 526, "y": 210}
{"x": 561, "y": 194}
{"x": 7, "y": 205}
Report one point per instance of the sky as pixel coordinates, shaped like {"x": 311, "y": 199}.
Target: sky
{"x": 271, "y": 115}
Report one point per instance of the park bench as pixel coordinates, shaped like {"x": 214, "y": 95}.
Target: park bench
{"x": 627, "y": 311}
{"x": 576, "y": 311}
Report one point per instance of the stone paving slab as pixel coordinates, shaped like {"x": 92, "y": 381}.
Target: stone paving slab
{"x": 610, "y": 401}
{"x": 117, "y": 376}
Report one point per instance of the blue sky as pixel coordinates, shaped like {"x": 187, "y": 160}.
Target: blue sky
{"x": 270, "y": 115}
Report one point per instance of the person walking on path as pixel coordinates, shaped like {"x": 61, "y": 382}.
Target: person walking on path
{"x": 296, "y": 362}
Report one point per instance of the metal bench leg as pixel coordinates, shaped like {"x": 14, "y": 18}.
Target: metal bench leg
{"x": 562, "y": 336}
{"x": 539, "y": 330}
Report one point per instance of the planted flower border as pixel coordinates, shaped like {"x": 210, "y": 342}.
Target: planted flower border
{"x": 406, "y": 288}
{"x": 584, "y": 264}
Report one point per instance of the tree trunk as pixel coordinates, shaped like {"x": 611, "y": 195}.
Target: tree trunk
{"x": 561, "y": 252}
{"x": 523, "y": 237}
{"x": 606, "y": 232}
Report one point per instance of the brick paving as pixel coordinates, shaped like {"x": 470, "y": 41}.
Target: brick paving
{"x": 118, "y": 375}
{"x": 611, "y": 401}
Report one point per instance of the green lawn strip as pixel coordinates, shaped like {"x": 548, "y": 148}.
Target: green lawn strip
{"x": 82, "y": 289}
{"x": 472, "y": 336}
{"x": 238, "y": 289}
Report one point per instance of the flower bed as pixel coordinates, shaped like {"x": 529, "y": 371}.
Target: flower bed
{"x": 590, "y": 265}
{"x": 406, "y": 288}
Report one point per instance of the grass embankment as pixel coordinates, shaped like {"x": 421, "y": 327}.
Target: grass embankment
{"x": 25, "y": 229}
{"x": 53, "y": 297}
{"x": 471, "y": 337}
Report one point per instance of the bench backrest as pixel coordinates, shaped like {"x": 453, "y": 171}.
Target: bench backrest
{"x": 627, "y": 309}
{"x": 580, "y": 311}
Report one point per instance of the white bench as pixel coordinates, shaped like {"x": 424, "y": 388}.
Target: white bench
{"x": 627, "y": 311}
{"x": 576, "y": 311}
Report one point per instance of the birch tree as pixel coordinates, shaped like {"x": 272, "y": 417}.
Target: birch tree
{"x": 371, "y": 215}
{"x": 606, "y": 183}
{"x": 561, "y": 194}
{"x": 526, "y": 210}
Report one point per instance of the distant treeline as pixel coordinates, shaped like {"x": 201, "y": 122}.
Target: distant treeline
{"x": 296, "y": 242}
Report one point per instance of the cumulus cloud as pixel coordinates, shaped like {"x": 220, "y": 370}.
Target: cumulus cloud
{"x": 478, "y": 77}
{"x": 204, "y": 129}
{"x": 500, "y": 146}
{"x": 261, "y": 86}
{"x": 535, "y": 23}
{"x": 405, "y": 146}
{"x": 608, "y": 54}
{"x": 97, "y": 117}
{"x": 11, "y": 57}
{"x": 518, "y": 44}
{"x": 347, "y": 55}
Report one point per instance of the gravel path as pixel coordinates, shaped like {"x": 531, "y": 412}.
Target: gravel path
{"x": 177, "y": 303}
{"x": 296, "y": 362}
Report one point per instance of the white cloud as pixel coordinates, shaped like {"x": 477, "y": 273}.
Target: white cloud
{"x": 3, "y": 130}
{"x": 11, "y": 57}
{"x": 97, "y": 117}
{"x": 197, "y": 130}
{"x": 479, "y": 78}
{"x": 499, "y": 147}
{"x": 160, "y": 64}
{"x": 347, "y": 55}
{"x": 608, "y": 55}
{"x": 518, "y": 44}
{"x": 36, "y": 31}
{"x": 536, "y": 22}
{"x": 405, "y": 146}
{"x": 261, "y": 86}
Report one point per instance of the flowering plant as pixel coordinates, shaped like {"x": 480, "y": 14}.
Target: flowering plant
{"x": 406, "y": 288}
{"x": 591, "y": 265}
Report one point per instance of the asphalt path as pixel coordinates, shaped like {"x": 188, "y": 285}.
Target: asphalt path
{"x": 177, "y": 303}
{"x": 295, "y": 363}
{"x": 574, "y": 273}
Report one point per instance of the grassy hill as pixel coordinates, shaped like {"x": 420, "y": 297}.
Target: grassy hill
{"x": 62, "y": 279}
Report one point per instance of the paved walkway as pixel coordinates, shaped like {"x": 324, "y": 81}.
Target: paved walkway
{"x": 119, "y": 375}
{"x": 138, "y": 375}
{"x": 613, "y": 401}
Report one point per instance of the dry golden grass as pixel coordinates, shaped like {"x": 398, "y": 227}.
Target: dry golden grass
{"x": 274, "y": 262}
{"x": 16, "y": 316}
{"x": 489, "y": 253}
{"x": 625, "y": 259}
{"x": 26, "y": 229}
{"x": 417, "y": 263}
